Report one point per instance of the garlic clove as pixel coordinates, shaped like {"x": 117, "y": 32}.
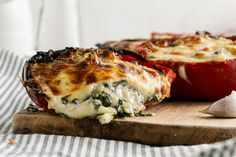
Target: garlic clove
{"x": 206, "y": 110}
{"x": 225, "y": 107}
{"x": 231, "y": 108}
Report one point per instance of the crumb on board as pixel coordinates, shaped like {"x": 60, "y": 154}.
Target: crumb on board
{"x": 11, "y": 141}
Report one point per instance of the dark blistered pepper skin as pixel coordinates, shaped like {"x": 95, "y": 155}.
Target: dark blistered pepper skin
{"x": 41, "y": 57}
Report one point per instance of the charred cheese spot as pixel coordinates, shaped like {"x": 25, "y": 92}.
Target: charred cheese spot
{"x": 205, "y": 49}
{"x": 154, "y": 49}
{"x": 122, "y": 68}
{"x": 55, "y": 90}
{"x": 176, "y": 53}
{"x": 56, "y": 82}
{"x": 233, "y": 50}
{"x": 199, "y": 55}
{"x": 164, "y": 91}
{"x": 91, "y": 78}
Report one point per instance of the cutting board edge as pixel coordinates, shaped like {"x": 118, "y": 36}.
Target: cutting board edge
{"x": 121, "y": 130}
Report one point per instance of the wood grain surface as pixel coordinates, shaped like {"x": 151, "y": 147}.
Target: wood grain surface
{"x": 174, "y": 123}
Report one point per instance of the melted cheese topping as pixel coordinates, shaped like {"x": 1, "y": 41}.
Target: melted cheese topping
{"x": 195, "y": 48}
{"x": 91, "y": 85}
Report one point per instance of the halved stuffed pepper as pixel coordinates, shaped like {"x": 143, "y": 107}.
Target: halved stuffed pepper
{"x": 83, "y": 83}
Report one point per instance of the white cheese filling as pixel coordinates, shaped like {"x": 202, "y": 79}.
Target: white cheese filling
{"x": 104, "y": 101}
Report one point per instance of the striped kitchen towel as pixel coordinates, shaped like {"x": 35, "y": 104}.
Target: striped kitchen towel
{"x": 13, "y": 98}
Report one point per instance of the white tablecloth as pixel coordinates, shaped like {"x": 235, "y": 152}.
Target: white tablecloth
{"x": 13, "y": 98}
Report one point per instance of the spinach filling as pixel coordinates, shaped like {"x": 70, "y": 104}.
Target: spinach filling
{"x": 103, "y": 97}
{"x": 110, "y": 97}
{"x": 118, "y": 95}
{"x": 120, "y": 112}
{"x": 65, "y": 100}
{"x": 121, "y": 82}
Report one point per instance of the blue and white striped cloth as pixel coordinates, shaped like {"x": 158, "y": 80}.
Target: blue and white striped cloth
{"x": 13, "y": 98}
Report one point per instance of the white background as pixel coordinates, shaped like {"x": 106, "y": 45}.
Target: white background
{"x": 102, "y": 20}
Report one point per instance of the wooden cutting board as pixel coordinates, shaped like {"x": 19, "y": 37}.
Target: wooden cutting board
{"x": 174, "y": 123}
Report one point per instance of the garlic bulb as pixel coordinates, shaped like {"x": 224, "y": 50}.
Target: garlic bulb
{"x": 225, "y": 107}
